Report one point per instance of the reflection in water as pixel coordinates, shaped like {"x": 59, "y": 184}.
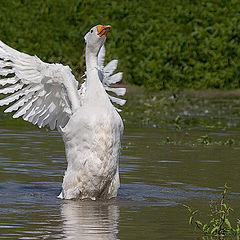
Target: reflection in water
{"x": 90, "y": 220}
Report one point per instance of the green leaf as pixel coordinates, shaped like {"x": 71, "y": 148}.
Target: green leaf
{"x": 224, "y": 205}
{"x": 190, "y": 220}
{"x": 228, "y": 223}
{"x": 205, "y": 228}
{"x": 194, "y": 212}
{"x": 237, "y": 230}
{"x": 215, "y": 229}
{"x": 198, "y": 222}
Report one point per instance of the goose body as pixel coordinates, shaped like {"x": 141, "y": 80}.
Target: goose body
{"x": 91, "y": 128}
{"x": 93, "y": 155}
{"x": 92, "y": 165}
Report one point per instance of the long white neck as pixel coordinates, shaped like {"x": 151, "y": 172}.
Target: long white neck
{"x": 95, "y": 89}
{"x": 91, "y": 60}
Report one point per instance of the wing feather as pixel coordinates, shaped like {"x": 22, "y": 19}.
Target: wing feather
{"x": 5, "y": 81}
{"x": 11, "y": 88}
{"x": 114, "y": 78}
{"x": 117, "y": 91}
{"x": 119, "y": 101}
{"x": 18, "y": 104}
{"x": 106, "y": 77}
{"x": 110, "y": 68}
{"x": 6, "y": 71}
{"x": 101, "y": 56}
{"x": 41, "y": 93}
{"x": 23, "y": 109}
{"x": 4, "y": 64}
{"x": 14, "y": 96}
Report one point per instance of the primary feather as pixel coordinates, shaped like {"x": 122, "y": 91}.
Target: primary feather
{"x": 35, "y": 85}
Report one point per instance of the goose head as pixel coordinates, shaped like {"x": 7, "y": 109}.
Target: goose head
{"x": 96, "y": 37}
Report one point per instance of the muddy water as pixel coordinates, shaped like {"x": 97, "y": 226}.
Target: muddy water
{"x": 176, "y": 150}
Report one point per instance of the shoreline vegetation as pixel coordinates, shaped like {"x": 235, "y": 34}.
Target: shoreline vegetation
{"x": 180, "y": 110}
{"x": 160, "y": 45}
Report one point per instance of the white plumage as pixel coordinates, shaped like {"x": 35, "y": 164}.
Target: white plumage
{"x": 48, "y": 94}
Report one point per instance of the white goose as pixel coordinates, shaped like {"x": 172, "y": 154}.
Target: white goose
{"x": 47, "y": 94}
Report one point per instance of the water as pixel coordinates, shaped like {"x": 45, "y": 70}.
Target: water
{"x": 164, "y": 164}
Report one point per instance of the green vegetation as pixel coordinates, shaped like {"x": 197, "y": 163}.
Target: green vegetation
{"x": 210, "y": 110}
{"x": 219, "y": 226}
{"x": 201, "y": 141}
{"x": 160, "y": 44}
{"x": 206, "y": 140}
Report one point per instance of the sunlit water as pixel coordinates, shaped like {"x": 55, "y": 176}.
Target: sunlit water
{"x": 161, "y": 169}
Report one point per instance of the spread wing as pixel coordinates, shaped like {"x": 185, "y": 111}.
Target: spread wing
{"x": 107, "y": 79}
{"x": 39, "y": 92}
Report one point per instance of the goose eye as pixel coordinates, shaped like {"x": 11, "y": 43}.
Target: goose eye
{"x": 91, "y": 31}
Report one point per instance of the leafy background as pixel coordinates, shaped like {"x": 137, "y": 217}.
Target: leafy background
{"x": 160, "y": 44}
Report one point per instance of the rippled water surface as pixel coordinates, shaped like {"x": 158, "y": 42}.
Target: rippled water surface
{"x": 174, "y": 152}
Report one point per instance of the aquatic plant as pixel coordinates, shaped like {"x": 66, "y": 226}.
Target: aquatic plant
{"x": 177, "y": 122}
{"x": 229, "y": 142}
{"x": 219, "y": 224}
{"x": 206, "y": 140}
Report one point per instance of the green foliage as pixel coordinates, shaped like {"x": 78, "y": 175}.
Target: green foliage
{"x": 177, "y": 122}
{"x": 219, "y": 225}
{"x": 205, "y": 140}
{"x": 160, "y": 44}
{"x": 229, "y": 142}
{"x": 210, "y": 110}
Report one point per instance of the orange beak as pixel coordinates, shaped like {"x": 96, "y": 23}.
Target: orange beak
{"x": 103, "y": 30}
